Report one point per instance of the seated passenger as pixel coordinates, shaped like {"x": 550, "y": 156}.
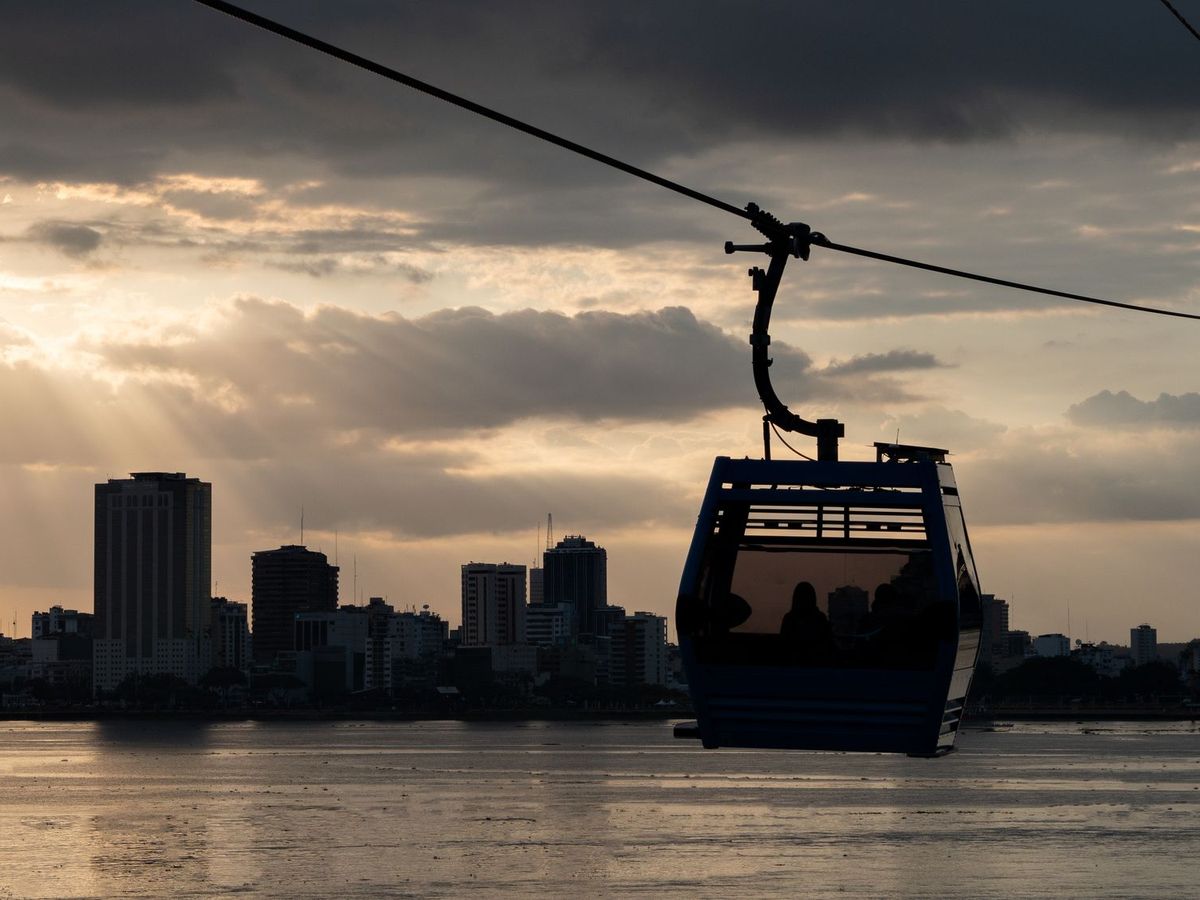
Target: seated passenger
{"x": 887, "y": 607}
{"x": 729, "y": 613}
{"x": 901, "y": 637}
{"x": 805, "y": 627}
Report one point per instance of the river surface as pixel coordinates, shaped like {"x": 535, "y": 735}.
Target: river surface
{"x": 436, "y": 809}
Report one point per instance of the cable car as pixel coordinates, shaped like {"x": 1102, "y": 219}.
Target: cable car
{"x": 824, "y": 604}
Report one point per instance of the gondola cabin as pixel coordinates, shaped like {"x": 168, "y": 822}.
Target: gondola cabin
{"x": 830, "y": 605}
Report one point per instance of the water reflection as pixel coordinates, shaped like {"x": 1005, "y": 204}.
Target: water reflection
{"x": 150, "y": 732}
{"x": 554, "y": 809}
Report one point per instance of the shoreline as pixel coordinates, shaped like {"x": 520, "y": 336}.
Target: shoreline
{"x": 317, "y": 715}
{"x": 992, "y": 719}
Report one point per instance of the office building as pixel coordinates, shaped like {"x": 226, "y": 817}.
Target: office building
{"x": 1143, "y": 644}
{"x": 493, "y": 604}
{"x": 230, "y": 635}
{"x": 330, "y": 654}
{"x": 1020, "y": 648}
{"x": 60, "y": 621}
{"x": 575, "y": 574}
{"x": 1103, "y": 658}
{"x": 548, "y": 626}
{"x": 62, "y": 649}
{"x": 152, "y": 577}
{"x": 639, "y": 651}
{"x": 1051, "y": 645}
{"x": 284, "y": 582}
{"x": 993, "y": 638}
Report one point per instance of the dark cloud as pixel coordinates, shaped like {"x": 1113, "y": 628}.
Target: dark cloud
{"x": 67, "y": 237}
{"x": 372, "y": 264}
{"x": 366, "y": 233}
{"x": 121, "y": 54}
{"x": 1123, "y": 410}
{"x": 462, "y": 369}
{"x": 892, "y": 361}
{"x": 637, "y": 79}
{"x": 214, "y": 204}
{"x": 434, "y": 494}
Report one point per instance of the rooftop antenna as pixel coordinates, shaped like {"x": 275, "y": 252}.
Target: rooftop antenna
{"x": 355, "y": 600}
{"x": 335, "y": 553}
{"x": 301, "y": 524}
{"x": 537, "y": 546}
{"x": 549, "y": 531}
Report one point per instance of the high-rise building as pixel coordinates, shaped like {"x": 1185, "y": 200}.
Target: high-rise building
{"x": 993, "y": 646}
{"x": 1143, "y": 644}
{"x": 639, "y": 651}
{"x": 576, "y": 574}
{"x": 290, "y": 580}
{"x": 493, "y": 604}
{"x": 230, "y": 635}
{"x": 537, "y": 595}
{"x": 152, "y": 577}
{"x": 1020, "y": 648}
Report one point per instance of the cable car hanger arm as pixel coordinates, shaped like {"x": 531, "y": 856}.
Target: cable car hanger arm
{"x": 793, "y": 239}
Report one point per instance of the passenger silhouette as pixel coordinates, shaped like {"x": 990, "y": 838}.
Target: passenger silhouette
{"x": 805, "y": 628}
{"x": 887, "y": 606}
{"x": 901, "y": 638}
{"x": 730, "y": 613}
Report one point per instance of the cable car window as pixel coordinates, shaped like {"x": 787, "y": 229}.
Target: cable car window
{"x": 970, "y": 610}
{"x": 809, "y": 606}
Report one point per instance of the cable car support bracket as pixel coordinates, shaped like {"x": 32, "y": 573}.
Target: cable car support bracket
{"x": 793, "y": 239}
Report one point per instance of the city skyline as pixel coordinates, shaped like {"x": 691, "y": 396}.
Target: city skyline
{"x": 569, "y": 543}
{"x": 294, "y": 560}
{"x": 221, "y": 254}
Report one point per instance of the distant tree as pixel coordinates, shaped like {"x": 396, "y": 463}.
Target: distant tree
{"x": 157, "y": 691}
{"x": 223, "y": 677}
{"x": 561, "y": 691}
{"x": 1154, "y": 679}
{"x": 376, "y": 698}
{"x": 70, "y": 693}
{"x": 1057, "y": 677}
{"x": 984, "y": 682}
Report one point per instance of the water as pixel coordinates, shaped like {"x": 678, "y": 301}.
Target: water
{"x": 437, "y": 808}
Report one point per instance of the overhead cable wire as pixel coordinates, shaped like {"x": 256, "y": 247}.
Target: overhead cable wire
{"x": 1182, "y": 21}
{"x": 391, "y": 74}
{"x": 426, "y": 88}
{"x": 821, "y": 241}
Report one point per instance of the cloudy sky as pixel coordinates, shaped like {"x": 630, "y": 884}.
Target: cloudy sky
{"x": 223, "y": 254}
